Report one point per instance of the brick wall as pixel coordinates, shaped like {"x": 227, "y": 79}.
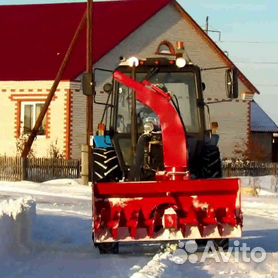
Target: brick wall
{"x": 264, "y": 141}
{"x": 12, "y": 96}
{"x": 78, "y": 121}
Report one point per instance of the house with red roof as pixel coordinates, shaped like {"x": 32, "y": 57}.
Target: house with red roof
{"x": 35, "y": 38}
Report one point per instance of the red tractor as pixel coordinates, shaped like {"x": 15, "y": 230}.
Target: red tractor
{"x": 157, "y": 170}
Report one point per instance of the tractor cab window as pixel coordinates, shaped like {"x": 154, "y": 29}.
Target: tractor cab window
{"x": 144, "y": 114}
{"x": 183, "y": 86}
{"x": 180, "y": 84}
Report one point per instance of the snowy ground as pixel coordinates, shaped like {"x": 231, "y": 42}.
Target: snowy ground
{"x": 61, "y": 240}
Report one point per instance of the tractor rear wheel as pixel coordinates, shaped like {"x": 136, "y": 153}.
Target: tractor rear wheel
{"x": 106, "y": 165}
{"x": 210, "y": 163}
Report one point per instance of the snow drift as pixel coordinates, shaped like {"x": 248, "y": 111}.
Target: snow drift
{"x": 16, "y": 217}
{"x": 269, "y": 183}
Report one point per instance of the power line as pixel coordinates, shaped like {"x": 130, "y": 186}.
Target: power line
{"x": 267, "y": 85}
{"x": 215, "y": 30}
{"x": 251, "y": 42}
{"x": 208, "y": 30}
{"x": 257, "y": 62}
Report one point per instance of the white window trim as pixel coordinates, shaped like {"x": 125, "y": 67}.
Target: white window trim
{"x": 23, "y": 104}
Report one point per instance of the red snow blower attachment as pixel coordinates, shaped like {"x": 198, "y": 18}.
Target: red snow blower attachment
{"x": 180, "y": 202}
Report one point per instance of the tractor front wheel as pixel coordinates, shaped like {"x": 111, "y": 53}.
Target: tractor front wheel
{"x": 106, "y": 166}
{"x": 219, "y": 244}
{"x": 222, "y": 243}
{"x": 108, "y": 248}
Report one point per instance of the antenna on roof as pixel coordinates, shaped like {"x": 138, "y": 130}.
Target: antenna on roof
{"x": 207, "y": 30}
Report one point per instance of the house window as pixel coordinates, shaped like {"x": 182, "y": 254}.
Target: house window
{"x": 30, "y": 113}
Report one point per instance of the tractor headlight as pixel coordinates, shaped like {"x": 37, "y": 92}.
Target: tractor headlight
{"x": 180, "y": 62}
{"x": 148, "y": 127}
{"x": 133, "y": 62}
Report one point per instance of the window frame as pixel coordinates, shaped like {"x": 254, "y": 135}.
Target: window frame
{"x": 33, "y": 103}
{"x": 166, "y": 69}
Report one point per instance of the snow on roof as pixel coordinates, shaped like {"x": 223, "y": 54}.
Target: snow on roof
{"x": 260, "y": 121}
{"x": 34, "y": 38}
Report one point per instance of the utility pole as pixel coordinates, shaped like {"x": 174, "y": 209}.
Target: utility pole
{"x": 90, "y": 98}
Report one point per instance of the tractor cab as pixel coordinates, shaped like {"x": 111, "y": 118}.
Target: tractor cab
{"x": 184, "y": 84}
{"x": 135, "y": 129}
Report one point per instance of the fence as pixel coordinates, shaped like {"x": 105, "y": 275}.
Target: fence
{"x": 38, "y": 169}
{"x": 249, "y": 168}
{"x": 10, "y": 168}
{"x": 42, "y": 169}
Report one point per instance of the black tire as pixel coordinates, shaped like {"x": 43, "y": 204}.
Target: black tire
{"x": 210, "y": 163}
{"x": 201, "y": 242}
{"x": 210, "y": 167}
{"x": 108, "y": 248}
{"x": 221, "y": 244}
{"x": 106, "y": 166}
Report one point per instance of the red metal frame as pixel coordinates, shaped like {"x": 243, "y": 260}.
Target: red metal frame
{"x": 212, "y": 207}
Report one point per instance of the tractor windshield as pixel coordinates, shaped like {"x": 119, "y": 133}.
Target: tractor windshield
{"x": 180, "y": 84}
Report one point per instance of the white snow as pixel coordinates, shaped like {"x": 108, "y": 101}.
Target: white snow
{"x": 265, "y": 183}
{"x": 122, "y": 202}
{"x": 154, "y": 268}
{"x": 74, "y": 182}
{"x": 16, "y": 217}
{"x": 59, "y": 242}
{"x": 64, "y": 189}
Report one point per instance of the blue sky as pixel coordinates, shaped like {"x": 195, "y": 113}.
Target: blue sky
{"x": 248, "y": 32}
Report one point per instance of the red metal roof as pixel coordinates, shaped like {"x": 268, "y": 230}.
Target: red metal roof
{"x": 34, "y": 38}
